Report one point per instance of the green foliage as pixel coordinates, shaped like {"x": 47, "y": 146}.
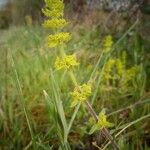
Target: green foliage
{"x": 102, "y": 123}
{"x": 47, "y": 119}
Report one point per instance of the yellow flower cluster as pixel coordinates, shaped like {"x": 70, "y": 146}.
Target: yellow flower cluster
{"x": 120, "y": 67}
{"x": 116, "y": 72}
{"x": 80, "y": 94}
{"x": 55, "y": 23}
{"x": 107, "y": 43}
{"x": 131, "y": 73}
{"x": 54, "y": 10}
{"x": 58, "y": 39}
{"x": 66, "y": 62}
{"x": 111, "y": 66}
{"x": 102, "y": 121}
{"x": 108, "y": 69}
{"x": 129, "y": 77}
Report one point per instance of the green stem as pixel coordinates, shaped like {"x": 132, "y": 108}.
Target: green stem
{"x": 89, "y": 107}
{"x": 73, "y": 78}
{"x": 23, "y": 103}
{"x": 73, "y": 117}
{"x": 130, "y": 124}
{"x": 91, "y": 110}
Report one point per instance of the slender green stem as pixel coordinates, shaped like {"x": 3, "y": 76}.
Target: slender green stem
{"x": 129, "y": 107}
{"x": 90, "y": 109}
{"x": 99, "y": 60}
{"x": 108, "y": 136}
{"x": 104, "y": 130}
{"x": 73, "y": 117}
{"x": 129, "y": 125}
{"x": 23, "y": 104}
{"x": 73, "y": 78}
{"x": 96, "y": 66}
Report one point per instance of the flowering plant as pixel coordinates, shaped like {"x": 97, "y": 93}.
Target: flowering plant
{"x": 54, "y": 10}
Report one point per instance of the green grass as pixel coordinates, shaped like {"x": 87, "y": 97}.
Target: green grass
{"x": 35, "y": 100}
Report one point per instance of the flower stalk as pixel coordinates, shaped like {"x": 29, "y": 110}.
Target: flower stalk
{"x": 54, "y": 10}
{"x": 90, "y": 109}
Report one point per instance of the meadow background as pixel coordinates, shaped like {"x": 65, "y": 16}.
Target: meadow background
{"x": 27, "y": 116}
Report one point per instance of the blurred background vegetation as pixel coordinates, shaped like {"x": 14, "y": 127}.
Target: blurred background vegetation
{"x": 112, "y": 16}
{"x": 25, "y": 61}
{"x": 14, "y": 11}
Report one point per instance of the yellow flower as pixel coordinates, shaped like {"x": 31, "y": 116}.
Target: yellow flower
{"x": 70, "y": 60}
{"x": 107, "y": 43}
{"x": 119, "y": 67}
{"x": 102, "y": 121}
{"x": 58, "y": 39}
{"x": 131, "y": 73}
{"x": 109, "y": 65}
{"x": 66, "y": 62}
{"x": 54, "y": 8}
{"x": 80, "y": 94}
{"x": 55, "y": 23}
{"x": 108, "y": 69}
{"x": 59, "y": 63}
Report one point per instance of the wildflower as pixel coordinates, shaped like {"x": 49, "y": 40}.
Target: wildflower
{"x": 80, "y": 94}
{"x": 54, "y": 8}
{"x": 101, "y": 123}
{"x": 119, "y": 67}
{"x": 129, "y": 78}
{"x": 55, "y": 23}
{"x": 66, "y": 62}
{"x": 131, "y": 73}
{"x": 109, "y": 65}
{"x": 108, "y": 69}
{"x": 59, "y": 63}
{"x": 107, "y": 43}
{"x": 58, "y": 39}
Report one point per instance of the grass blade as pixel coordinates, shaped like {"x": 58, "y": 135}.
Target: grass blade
{"x": 23, "y": 103}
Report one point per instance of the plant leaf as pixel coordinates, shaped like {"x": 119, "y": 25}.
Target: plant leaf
{"x": 93, "y": 129}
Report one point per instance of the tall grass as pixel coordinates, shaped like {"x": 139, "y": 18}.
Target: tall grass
{"x": 30, "y": 117}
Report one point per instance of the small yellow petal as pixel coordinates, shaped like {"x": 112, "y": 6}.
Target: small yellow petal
{"x": 81, "y": 93}
{"x": 66, "y": 62}
{"x": 58, "y": 39}
{"x": 55, "y": 23}
{"x": 54, "y": 8}
{"x": 102, "y": 121}
{"x": 107, "y": 43}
